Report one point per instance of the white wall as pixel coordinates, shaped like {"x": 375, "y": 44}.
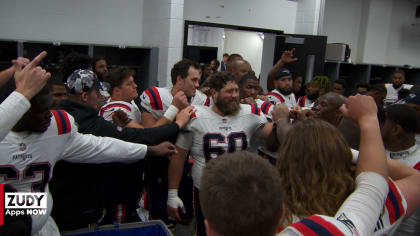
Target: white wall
{"x": 403, "y": 47}
{"x": 207, "y": 36}
{"x": 84, "y": 21}
{"x": 163, "y": 27}
{"x": 248, "y": 44}
{"x": 270, "y": 14}
{"x": 378, "y": 31}
{"x": 267, "y": 58}
{"x": 307, "y": 17}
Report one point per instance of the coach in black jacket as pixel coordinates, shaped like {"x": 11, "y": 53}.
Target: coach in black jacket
{"x": 82, "y": 191}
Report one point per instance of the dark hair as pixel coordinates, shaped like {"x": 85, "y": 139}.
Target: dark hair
{"x": 246, "y": 78}
{"x": 181, "y": 68}
{"x": 95, "y": 60}
{"x": 218, "y": 80}
{"x": 74, "y": 61}
{"x": 296, "y": 75}
{"x": 216, "y": 62}
{"x": 117, "y": 76}
{"x": 234, "y": 57}
{"x": 241, "y": 194}
{"x": 398, "y": 71}
{"x": 363, "y": 85}
{"x": 225, "y": 55}
{"x": 403, "y": 115}
{"x": 342, "y": 82}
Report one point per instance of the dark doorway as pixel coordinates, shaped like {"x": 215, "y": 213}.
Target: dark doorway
{"x": 201, "y": 54}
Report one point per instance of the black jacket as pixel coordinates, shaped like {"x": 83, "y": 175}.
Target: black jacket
{"x": 81, "y": 191}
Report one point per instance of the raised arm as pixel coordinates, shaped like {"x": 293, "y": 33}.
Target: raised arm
{"x": 286, "y": 57}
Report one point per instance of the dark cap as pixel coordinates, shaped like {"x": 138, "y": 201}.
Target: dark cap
{"x": 282, "y": 73}
{"x": 83, "y": 81}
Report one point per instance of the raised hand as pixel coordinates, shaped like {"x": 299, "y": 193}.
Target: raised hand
{"x": 30, "y": 79}
{"x": 180, "y": 100}
{"x": 287, "y": 56}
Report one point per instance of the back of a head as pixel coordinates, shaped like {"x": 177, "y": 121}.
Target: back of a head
{"x": 240, "y": 194}
{"x": 403, "y": 115}
{"x": 378, "y": 88}
{"x": 218, "y": 80}
{"x": 315, "y": 167}
{"x": 323, "y": 83}
{"x": 74, "y": 61}
{"x": 181, "y": 69}
{"x": 233, "y": 57}
{"x": 342, "y": 82}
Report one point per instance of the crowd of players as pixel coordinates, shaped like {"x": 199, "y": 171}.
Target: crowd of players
{"x": 213, "y": 147}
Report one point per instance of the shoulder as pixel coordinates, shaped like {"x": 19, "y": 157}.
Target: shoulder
{"x": 250, "y": 109}
{"x": 321, "y": 225}
{"x": 62, "y": 122}
{"x": 153, "y": 97}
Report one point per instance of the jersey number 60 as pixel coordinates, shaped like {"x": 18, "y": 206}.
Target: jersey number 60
{"x": 234, "y": 141}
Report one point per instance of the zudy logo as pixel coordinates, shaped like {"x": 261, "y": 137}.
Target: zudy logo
{"x": 16, "y": 204}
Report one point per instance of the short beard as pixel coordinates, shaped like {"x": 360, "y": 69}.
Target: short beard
{"x": 285, "y": 92}
{"x": 226, "y": 108}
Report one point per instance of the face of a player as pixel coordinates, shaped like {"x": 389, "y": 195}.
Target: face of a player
{"x": 192, "y": 82}
{"x": 227, "y": 99}
{"x": 58, "y": 93}
{"x": 38, "y": 118}
{"x": 324, "y": 109}
{"x": 249, "y": 89}
{"x": 129, "y": 89}
{"x": 93, "y": 99}
{"x": 207, "y": 71}
{"x": 297, "y": 84}
{"x": 284, "y": 85}
{"x": 213, "y": 65}
{"x": 101, "y": 67}
{"x": 312, "y": 92}
{"x": 241, "y": 70}
{"x": 338, "y": 88}
{"x": 397, "y": 80}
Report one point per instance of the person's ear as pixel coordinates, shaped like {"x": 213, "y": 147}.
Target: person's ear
{"x": 84, "y": 97}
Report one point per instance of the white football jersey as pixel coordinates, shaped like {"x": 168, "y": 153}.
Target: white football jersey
{"x": 393, "y": 212}
{"x": 305, "y": 102}
{"x": 277, "y": 98}
{"x": 130, "y": 109}
{"x": 392, "y": 93}
{"x": 157, "y": 100}
{"x": 208, "y": 135}
{"x": 27, "y": 159}
{"x": 410, "y": 157}
{"x": 357, "y": 216}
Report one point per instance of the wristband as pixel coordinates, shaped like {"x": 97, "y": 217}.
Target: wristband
{"x": 171, "y": 113}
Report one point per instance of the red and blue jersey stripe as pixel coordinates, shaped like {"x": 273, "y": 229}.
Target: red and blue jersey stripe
{"x": 154, "y": 98}
{"x": 103, "y": 109}
{"x": 265, "y": 107}
{"x": 255, "y": 110}
{"x": 393, "y": 203}
{"x": 62, "y": 120}
{"x": 278, "y": 96}
{"x": 316, "y": 225}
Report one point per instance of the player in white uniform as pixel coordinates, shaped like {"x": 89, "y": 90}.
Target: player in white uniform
{"x": 227, "y": 126}
{"x": 123, "y": 92}
{"x": 398, "y": 133}
{"x": 235, "y": 185}
{"x": 41, "y": 138}
{"x": 159, "y": 106}
{"x": 398, "y": 79}
{"x": 283, "y": 92}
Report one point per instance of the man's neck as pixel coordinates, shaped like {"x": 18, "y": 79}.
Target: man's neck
{"x": 402, "y": 143}
{"x": 117, "y": 99}
{"x": 174, "y": 90}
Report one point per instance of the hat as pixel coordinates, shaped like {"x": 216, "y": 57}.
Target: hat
{"x": 83, "y": 81}
{"x": 413, "y": 98}
{"x": 282, "y": 73}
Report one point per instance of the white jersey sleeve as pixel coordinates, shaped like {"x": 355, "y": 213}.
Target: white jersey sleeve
{"x": 357, "y": 216}
{"x": 86, "y": 148}
{"x": 151, "y": 102}
{"x": 11, "y": 110}
{"x": 265, "y": 107}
